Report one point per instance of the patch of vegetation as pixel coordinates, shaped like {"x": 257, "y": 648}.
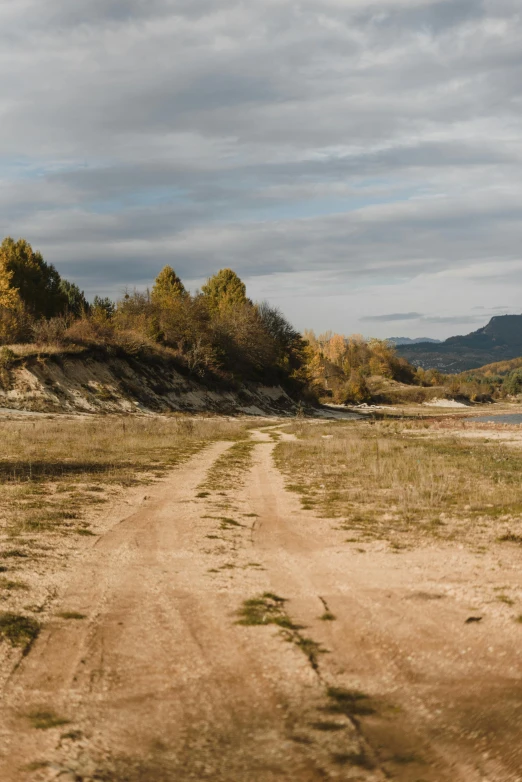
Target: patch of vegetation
{"x": 327, "y": 726}
{"x": 390, "y": 478}
{"x": 72, "y": 735}
{"x": 351, "y": 703}
{"x": 19, "y": 630}
{"x": 309, "y": 647}
{"x": 405, "y": 759}
{"x": 10, "y": 585}
{"x": 269, "y": 609}
{"x": 230, "y": 468}
{"x": 71, "y": 615}
{"x": 87, "y": 533}
{"x": 44, "y": 719}
{"x": 328, "y": 617}
{"x": 510, "y": 537}
{"x": 227, "y": 523}
{"x": 360, "y": 759}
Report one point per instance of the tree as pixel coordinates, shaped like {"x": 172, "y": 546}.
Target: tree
{"x": 103, "y": 308}
{"x": 167, "y": 286}
{"x": 9, "y": 296}
{"x": 512, "y": 385}
{"x": 36, "y": 282}
{"x": 241, "y": 340}
{"x": 76, "y": 303}
{"x": 224, "y": 289}
{"x": 277, "y": 325}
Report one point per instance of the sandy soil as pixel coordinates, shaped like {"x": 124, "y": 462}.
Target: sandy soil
{"x": 160, "y": 684}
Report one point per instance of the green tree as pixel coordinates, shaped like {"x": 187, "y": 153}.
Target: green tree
{"x": 512, "y": 385}
{"x": 224, "y": 289}
{"x": 36, "y": 282}
{"x": 76, "y": 303}
{"x": 167, "y": 286}
{"x": 103, "y": 308}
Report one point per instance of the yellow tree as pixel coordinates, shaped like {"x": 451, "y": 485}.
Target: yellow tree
{"x": 225, "y": 289}
{"x": 9, "y": 296}
{"x": 13, "y": 321}
{"x": 36, "y": 282}
{"x": 167, "y": 286}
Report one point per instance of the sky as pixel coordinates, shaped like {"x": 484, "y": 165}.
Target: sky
{"x": 357, "y": 163}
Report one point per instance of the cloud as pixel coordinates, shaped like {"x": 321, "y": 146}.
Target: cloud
{"x": 351, "y": 146}
{"x": 392, "y": 317}
{"x": 454, "y": 319}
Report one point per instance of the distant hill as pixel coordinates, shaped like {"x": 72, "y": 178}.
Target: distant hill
{"x": 408, "y": 341}
{"x": 499, "y": 340}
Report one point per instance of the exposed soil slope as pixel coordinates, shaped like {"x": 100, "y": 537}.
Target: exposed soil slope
{"x": 159, "y": 682}
{"x": 92, "y": 381}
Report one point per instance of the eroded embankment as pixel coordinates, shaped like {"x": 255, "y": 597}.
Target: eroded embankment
{"x": 95, "y": 381}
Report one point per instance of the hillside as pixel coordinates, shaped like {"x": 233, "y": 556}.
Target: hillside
{"x": 499, "y": 340}
{"x": 97, "y": 380}
{"x": 409, "y": 341}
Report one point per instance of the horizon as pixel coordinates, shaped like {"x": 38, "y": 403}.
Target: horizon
{"x": 357, "y": 167}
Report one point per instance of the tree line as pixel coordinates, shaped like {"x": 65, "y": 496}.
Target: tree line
{"x": 217, "y": 331}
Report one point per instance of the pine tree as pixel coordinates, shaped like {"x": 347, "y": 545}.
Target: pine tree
{"x": 225, "y": 289}
{"x": 167, "y": 286}
{"x": 37, "y": 282}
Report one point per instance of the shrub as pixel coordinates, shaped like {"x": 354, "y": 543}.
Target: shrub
{"x": 49, "y": 332}
{"x": 89, "y": 331}
{"x": 512, "y": 385}
{"x": 15, "y": 324}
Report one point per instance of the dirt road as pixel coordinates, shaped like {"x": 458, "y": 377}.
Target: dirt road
{"x": 372, "y": 672}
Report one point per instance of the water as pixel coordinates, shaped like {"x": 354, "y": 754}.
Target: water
{"x": 508, "y": 418}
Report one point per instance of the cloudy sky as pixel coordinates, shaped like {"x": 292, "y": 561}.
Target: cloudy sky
{"x": 357, "y": 163}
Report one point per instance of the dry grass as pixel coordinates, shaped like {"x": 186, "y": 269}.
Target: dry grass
{"x": 52, "y": 469}
{"x": 385, "y": 478}
{"x": 56, "y": 475}
{"x": 229, "y": 470}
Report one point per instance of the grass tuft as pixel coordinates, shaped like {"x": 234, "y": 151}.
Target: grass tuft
{"x": 360, "y": 759}
{"x": 43, "y": 719}
{"x": 19, "y": 630}
{"x": 327, "y": 726}
{"x": 349, "y": 702}
{"x": 510, "y": 537}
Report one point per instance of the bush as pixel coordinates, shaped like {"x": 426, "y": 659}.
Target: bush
{"x": 512, "y": 385}
{"x": 89, "y": 331}
{"x": 49, "y": 332}
{"x": 15, "y": 325}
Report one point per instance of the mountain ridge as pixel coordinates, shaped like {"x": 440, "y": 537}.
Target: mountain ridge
{"x": 411, "y": 341}
{"x": 499, "y": 340}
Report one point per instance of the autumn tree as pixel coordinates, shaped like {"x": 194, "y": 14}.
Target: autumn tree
{"x": 9, "y": 296}
{"x": 14, "y": 322}
{"x": 224, "y": 289}
{"x": 36, "y": 282}
{"x": 167, "y": 286}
